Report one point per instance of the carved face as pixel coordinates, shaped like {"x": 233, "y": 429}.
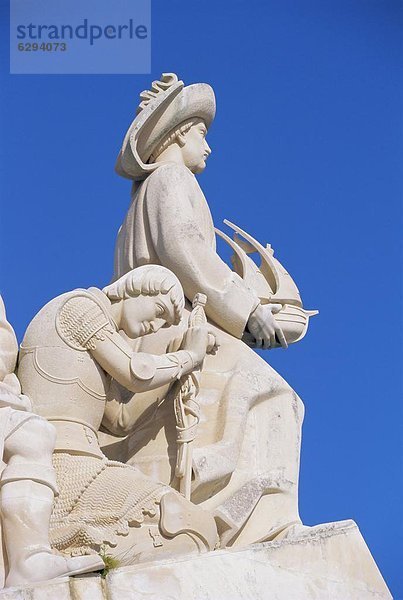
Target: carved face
{"x": 146, "y": 314}
{"x": 195, "y": 149}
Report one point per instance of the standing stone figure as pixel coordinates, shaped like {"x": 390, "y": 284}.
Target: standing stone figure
{"x": 246, "y": 453}
{"x": 69, "y": 353}
{"x": 28, "y": 481}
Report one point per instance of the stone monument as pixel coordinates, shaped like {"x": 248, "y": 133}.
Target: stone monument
{"x": 177, "y": 447}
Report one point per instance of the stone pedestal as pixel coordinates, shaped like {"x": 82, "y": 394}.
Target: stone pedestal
{"x": 329, "y": 562}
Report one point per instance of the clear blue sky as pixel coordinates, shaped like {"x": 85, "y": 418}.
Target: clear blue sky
{"x": 307, "y": 154}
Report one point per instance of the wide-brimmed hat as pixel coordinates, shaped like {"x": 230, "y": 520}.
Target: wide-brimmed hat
{"x": 168, "y": 104}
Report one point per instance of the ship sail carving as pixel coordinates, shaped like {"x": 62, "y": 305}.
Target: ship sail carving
{"x": 270, "y": 280}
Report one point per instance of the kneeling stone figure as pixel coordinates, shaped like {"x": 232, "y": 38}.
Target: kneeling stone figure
{"x": 70, "y": 352}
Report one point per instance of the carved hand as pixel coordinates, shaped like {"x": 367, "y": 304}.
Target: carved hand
{"x": 199, "y": 341}
{"x": 264, "y": 327}
{"x": 213, "y": 343}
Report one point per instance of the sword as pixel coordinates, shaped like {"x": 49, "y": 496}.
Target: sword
{"x": 187, "y": 409}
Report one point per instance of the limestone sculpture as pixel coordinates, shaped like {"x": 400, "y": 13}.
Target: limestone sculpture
{"x": 69, "y": 353}
{"x": 246, "y": 453}
{"x": 150, "y": 390}
{"x": 28, "y": 481}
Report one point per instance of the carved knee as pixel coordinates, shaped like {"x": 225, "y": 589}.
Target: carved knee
{"x": 27, "y": 471}
{"x": 43, "y": 434}
{"x": 32, "y": 442}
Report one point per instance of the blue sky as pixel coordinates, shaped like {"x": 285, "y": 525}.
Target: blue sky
{"x": 307, "y": 154}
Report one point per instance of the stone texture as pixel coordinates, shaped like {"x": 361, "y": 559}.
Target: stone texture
{"x": 47, "y": 590}
{"x": 90, "y": 587}
{"x": 330, "y": 562}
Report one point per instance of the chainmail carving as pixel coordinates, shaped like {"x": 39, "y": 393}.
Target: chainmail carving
{"x": 80, "y": 320}
{"x": 85, "y": 517}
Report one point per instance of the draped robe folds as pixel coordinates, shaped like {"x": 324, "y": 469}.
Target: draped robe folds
{"x": 248, "y": 440}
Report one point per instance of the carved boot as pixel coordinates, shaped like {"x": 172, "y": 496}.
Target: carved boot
{"x": 26, "y": 507}
{"x": 181, "y": 528}
{"x": 179, "y": 516}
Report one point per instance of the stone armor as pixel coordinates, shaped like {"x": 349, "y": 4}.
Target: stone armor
{"x": 65, "y": 383}
{"x": 100, "y": 502}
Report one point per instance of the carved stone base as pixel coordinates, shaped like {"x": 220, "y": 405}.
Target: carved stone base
{"x": 330, "y": 562}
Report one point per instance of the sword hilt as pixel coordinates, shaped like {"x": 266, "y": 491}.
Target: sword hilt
{"x": 198, "y": 315}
